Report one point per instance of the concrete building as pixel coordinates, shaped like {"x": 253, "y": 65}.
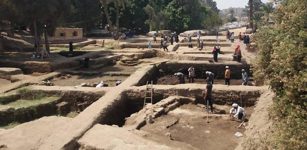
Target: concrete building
{"x": 64, "y": 35}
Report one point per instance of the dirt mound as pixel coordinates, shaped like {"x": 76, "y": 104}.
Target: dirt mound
{"x": 168, "y": 80}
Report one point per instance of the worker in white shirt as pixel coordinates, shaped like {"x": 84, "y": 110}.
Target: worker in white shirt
{"x": 237, "y": 112}
{"x": 100, "y": 85}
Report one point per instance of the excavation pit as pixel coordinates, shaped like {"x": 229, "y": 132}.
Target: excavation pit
{"x": 72, "y": 54}
{"x": 93, "y": 76}
{"x": 164, "y": 73}
{"x": 26, "y": 105}
{"x": 176, "y": 121}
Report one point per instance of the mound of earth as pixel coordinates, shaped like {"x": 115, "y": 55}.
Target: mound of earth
{"x": 168, "y": 80}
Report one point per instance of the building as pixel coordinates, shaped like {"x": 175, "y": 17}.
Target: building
{"x": 66, "y": 35}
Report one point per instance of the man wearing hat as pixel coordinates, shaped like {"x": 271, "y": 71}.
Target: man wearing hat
{"x": 237, "y": 112}
{"x": 227, "y": 75}
{"x": 244, "y": 77}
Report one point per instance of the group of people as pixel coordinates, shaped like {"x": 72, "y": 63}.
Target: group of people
{"x": 227, "y": 75}
{"x": 165, "y": 40}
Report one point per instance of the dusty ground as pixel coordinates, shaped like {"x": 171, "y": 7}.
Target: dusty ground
{"x": 4, "y": 82}
{"x": 188, "y": 124}
{"x": 76, "y": 80}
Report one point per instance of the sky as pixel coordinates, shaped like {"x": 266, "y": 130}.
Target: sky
{"x": 224, "y": 4}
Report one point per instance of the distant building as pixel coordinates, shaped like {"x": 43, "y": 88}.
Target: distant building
{"x": 65, "y": 35}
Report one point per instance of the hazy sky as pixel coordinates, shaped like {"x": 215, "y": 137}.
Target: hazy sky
{"x": 223, "y": 4}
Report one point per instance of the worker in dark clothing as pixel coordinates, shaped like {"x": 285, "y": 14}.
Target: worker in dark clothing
{"x": 215, "y": 52}
{"x": 201, "y": 45}
{"x": 180, "y": 76}
{"x": 209, "y": 77}
{"x": 208, "y": 96}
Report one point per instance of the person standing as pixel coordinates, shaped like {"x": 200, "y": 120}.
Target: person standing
{"x": 227, "y": 75}
{"x": 191, "y": 71}
{"x": 161, "y": 43}
{"x": 244, "y": 77}
{"x": 165, "y": 46}
{"x": 232, "y": 37}
{"x": 172, "y": 40}
{"x": 155, "y": 37}
{"x": 237, "y": 55}
{"x": 190, "y": 41}
{"x": 215, "y": 52}
{"x": 208, "y": 96}
{"x": 149, "y": 45}
{"x": 209, "y": 77}
{"x": 201, "y": 45}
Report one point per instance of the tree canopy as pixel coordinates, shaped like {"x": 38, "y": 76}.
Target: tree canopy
{"x": 282, "y": 62}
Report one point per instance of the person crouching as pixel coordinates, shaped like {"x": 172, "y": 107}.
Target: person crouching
{"x": 237, "y": 112}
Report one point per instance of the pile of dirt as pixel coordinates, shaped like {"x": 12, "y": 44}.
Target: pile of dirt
{"x": 168, "y": 80}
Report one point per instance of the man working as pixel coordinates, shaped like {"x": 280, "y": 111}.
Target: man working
{"x": 237, "y": 55}
{"x": 237, "y": 112}
{"x": 208, "y": 96}
{"x": 215, "y": 52}
{"x": 227, "y": 75}
{"x": 180, "y": 76}
{"x": 191, "y": 71}
{"x": 244, "y": 77}
{"x": 209, "y": 77}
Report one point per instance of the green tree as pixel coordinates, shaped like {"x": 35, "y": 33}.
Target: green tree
{"x": 36, "y": 13}
{"x": 85, "y": 14}
{"x": 282, "y": 62}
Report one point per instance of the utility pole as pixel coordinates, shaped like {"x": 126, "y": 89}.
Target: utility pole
{"x": 251, "y": 14}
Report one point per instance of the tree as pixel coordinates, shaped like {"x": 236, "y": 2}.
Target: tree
{"x": 119, "y": 6}
{"x": 85, "y": 14}
{"x": 134, "y": 16}
{"x": 37, "y": 13}
{"x": 282, "y": 62}
{"x": 232, "y": 17}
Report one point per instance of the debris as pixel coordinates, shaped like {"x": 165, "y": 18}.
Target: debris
{"x": 238, "y": 134}
{"x": 168, "y": 134}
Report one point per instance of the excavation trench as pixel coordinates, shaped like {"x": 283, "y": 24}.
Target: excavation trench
{"x": 164, "y": 73}
{"x": 178, "y": 116}
{"x": 27, "y": 105}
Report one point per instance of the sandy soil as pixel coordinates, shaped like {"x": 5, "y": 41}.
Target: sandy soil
{"x": 76, "y": 80}
{"x": 4, "y": 82}
{"x": 188, "y": 124}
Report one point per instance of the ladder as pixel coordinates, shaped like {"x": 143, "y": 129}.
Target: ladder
{"x": 148, "y": 93}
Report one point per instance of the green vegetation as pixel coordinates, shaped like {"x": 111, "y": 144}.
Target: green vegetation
{"x": 21, "y": 103}
{"x": 282, "y": 62}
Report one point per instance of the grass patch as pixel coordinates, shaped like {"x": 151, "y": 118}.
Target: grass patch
{"x": 22, "y": 103}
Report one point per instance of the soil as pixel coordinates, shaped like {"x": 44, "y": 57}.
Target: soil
{"x": 173, "y": 80}
{"x": 76, "y": 80}
{"x": 188, "y": 124}
{"x": 4, "y": 82}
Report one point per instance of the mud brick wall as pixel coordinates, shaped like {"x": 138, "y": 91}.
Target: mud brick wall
{"x": 220, "y": 97}
{"x": 116, "y": 113}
